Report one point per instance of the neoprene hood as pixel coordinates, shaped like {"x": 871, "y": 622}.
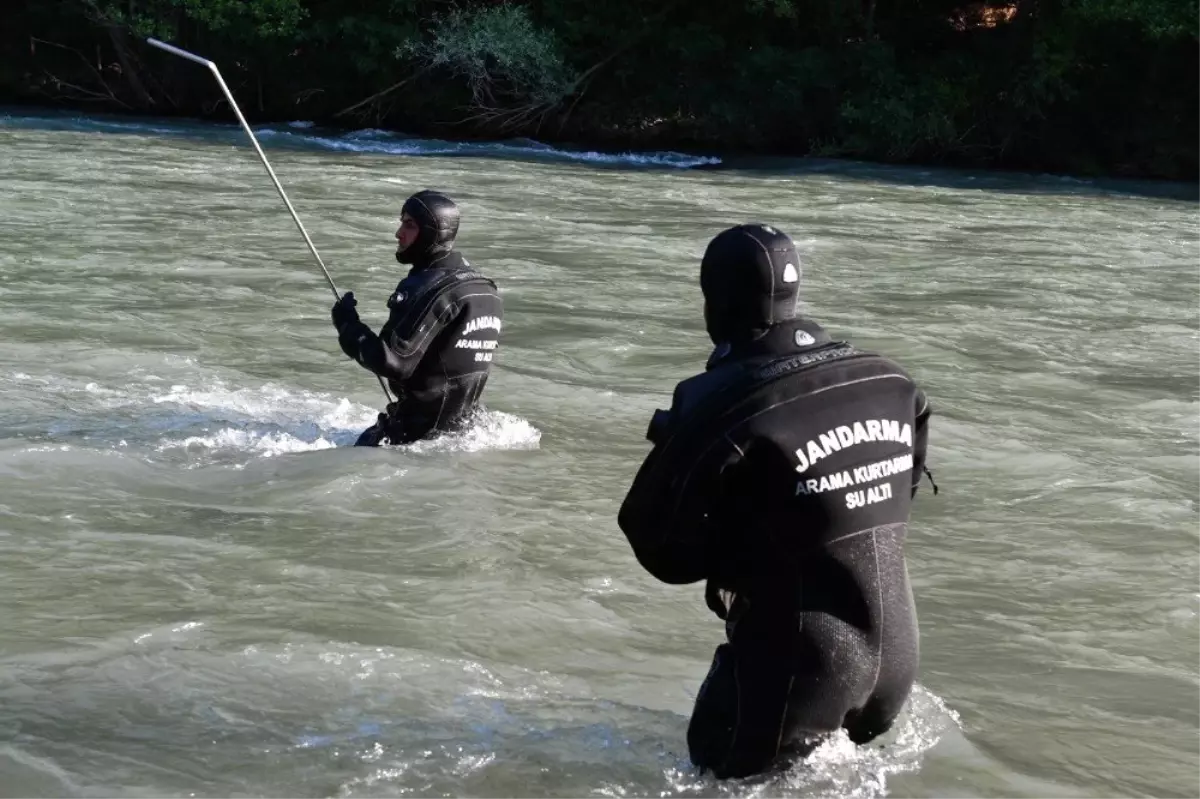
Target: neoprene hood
{"x": 437, "y": 218}
{"x": 750, "y": 277}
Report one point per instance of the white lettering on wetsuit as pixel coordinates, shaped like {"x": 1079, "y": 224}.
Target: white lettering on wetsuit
{"x": 482, "y": 347}
{"x": 870, "y": 473}
{"x": 475, "y": 344}
{"x": 857, "y": 499}
{"x": 845, "y": 436}
{"x": 474, "y": 325}
{"x": 482, "y": 323}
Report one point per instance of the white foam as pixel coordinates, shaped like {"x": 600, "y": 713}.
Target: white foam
{"x": 272, "y": 403}
{"x": 372, "y": 140}
{"x": 840, "y": 768}
{"x": 217, "y": 419}
{"x": 489, "y": 430}
{"x": 304, "y": 422}
{"x": 313, "y": 421}
{"x": 364, "y": 141}
{"x": 266, "y": 444}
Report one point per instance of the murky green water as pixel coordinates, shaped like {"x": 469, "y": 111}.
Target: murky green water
{"x": 207, "y": 591}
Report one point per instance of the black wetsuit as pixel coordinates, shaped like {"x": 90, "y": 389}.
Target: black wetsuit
{"x": 437, "y": 347}
{"x": 783, "y": 476}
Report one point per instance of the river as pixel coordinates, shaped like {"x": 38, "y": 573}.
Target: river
{"x": 207, "y": 591}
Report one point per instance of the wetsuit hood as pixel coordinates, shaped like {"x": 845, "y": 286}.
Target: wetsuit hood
{"x": 437, "y": 218}
{"x": 750, "y": 277}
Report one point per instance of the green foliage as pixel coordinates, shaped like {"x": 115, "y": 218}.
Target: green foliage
{"x": 264, "y": 19}
{"x": 1159, "y": 18}
{"x": 1072, "y": 85}
{"x": 778, "y": 8}
{"x": 497, "y": 50}
{"x": 362, "y": 35}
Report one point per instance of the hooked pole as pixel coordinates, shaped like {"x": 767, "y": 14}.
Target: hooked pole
{"x": 212, "y": 67}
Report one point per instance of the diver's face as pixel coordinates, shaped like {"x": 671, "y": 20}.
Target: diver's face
{"x": 407, "y": 233}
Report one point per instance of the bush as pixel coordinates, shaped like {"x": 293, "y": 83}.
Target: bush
{"x": 499, "y": 52}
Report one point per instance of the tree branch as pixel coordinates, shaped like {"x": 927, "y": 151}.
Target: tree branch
{"x": 130, "y": 74}
{"x": 387, "y": 91}
{"x": 108, "y": 92}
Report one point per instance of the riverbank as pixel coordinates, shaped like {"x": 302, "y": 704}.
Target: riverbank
{"x": 608, "y": 143}
{"x": 1095, "y": 93}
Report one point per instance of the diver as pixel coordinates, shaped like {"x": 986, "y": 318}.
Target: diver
{"x": 442, "y": 332}
{"x": 783, "y": 476}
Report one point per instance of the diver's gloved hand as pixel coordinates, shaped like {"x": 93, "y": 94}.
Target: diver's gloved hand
{"x": 656, "y": 431}
{"x": 719, "y": 600}
{"x": 389, "y": 424}
{"x": 343, "y": 311}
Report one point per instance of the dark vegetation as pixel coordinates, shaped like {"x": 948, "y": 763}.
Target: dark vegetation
{"x": 1087, "y": 87}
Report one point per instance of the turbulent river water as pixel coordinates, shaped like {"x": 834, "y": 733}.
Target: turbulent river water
{"x": 207, "y": 591}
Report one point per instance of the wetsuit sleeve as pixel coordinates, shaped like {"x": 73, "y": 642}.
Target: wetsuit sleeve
{"x": 920, "y": 438}
{"x": 396, "y": 354}
{"x": 670, "y": 514}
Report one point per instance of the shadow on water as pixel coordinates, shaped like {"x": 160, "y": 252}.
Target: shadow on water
{"x": 304, "y": 136}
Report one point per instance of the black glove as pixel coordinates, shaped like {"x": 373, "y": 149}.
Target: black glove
{"x": 719, "y": 600}
{"x": 656, "y": 431}
{"x": 343, "y": 311}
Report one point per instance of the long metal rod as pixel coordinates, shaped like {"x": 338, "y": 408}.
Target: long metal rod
{"x": 233, "y": 103}
{"x": 172, "y": 49}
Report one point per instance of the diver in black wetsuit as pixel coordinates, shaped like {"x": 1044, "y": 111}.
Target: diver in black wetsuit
{"x": 437, "y": 345}
{"x": 783, "y": 475}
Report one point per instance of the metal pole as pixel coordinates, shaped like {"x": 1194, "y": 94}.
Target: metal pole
{"x": 233, "y": 104}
